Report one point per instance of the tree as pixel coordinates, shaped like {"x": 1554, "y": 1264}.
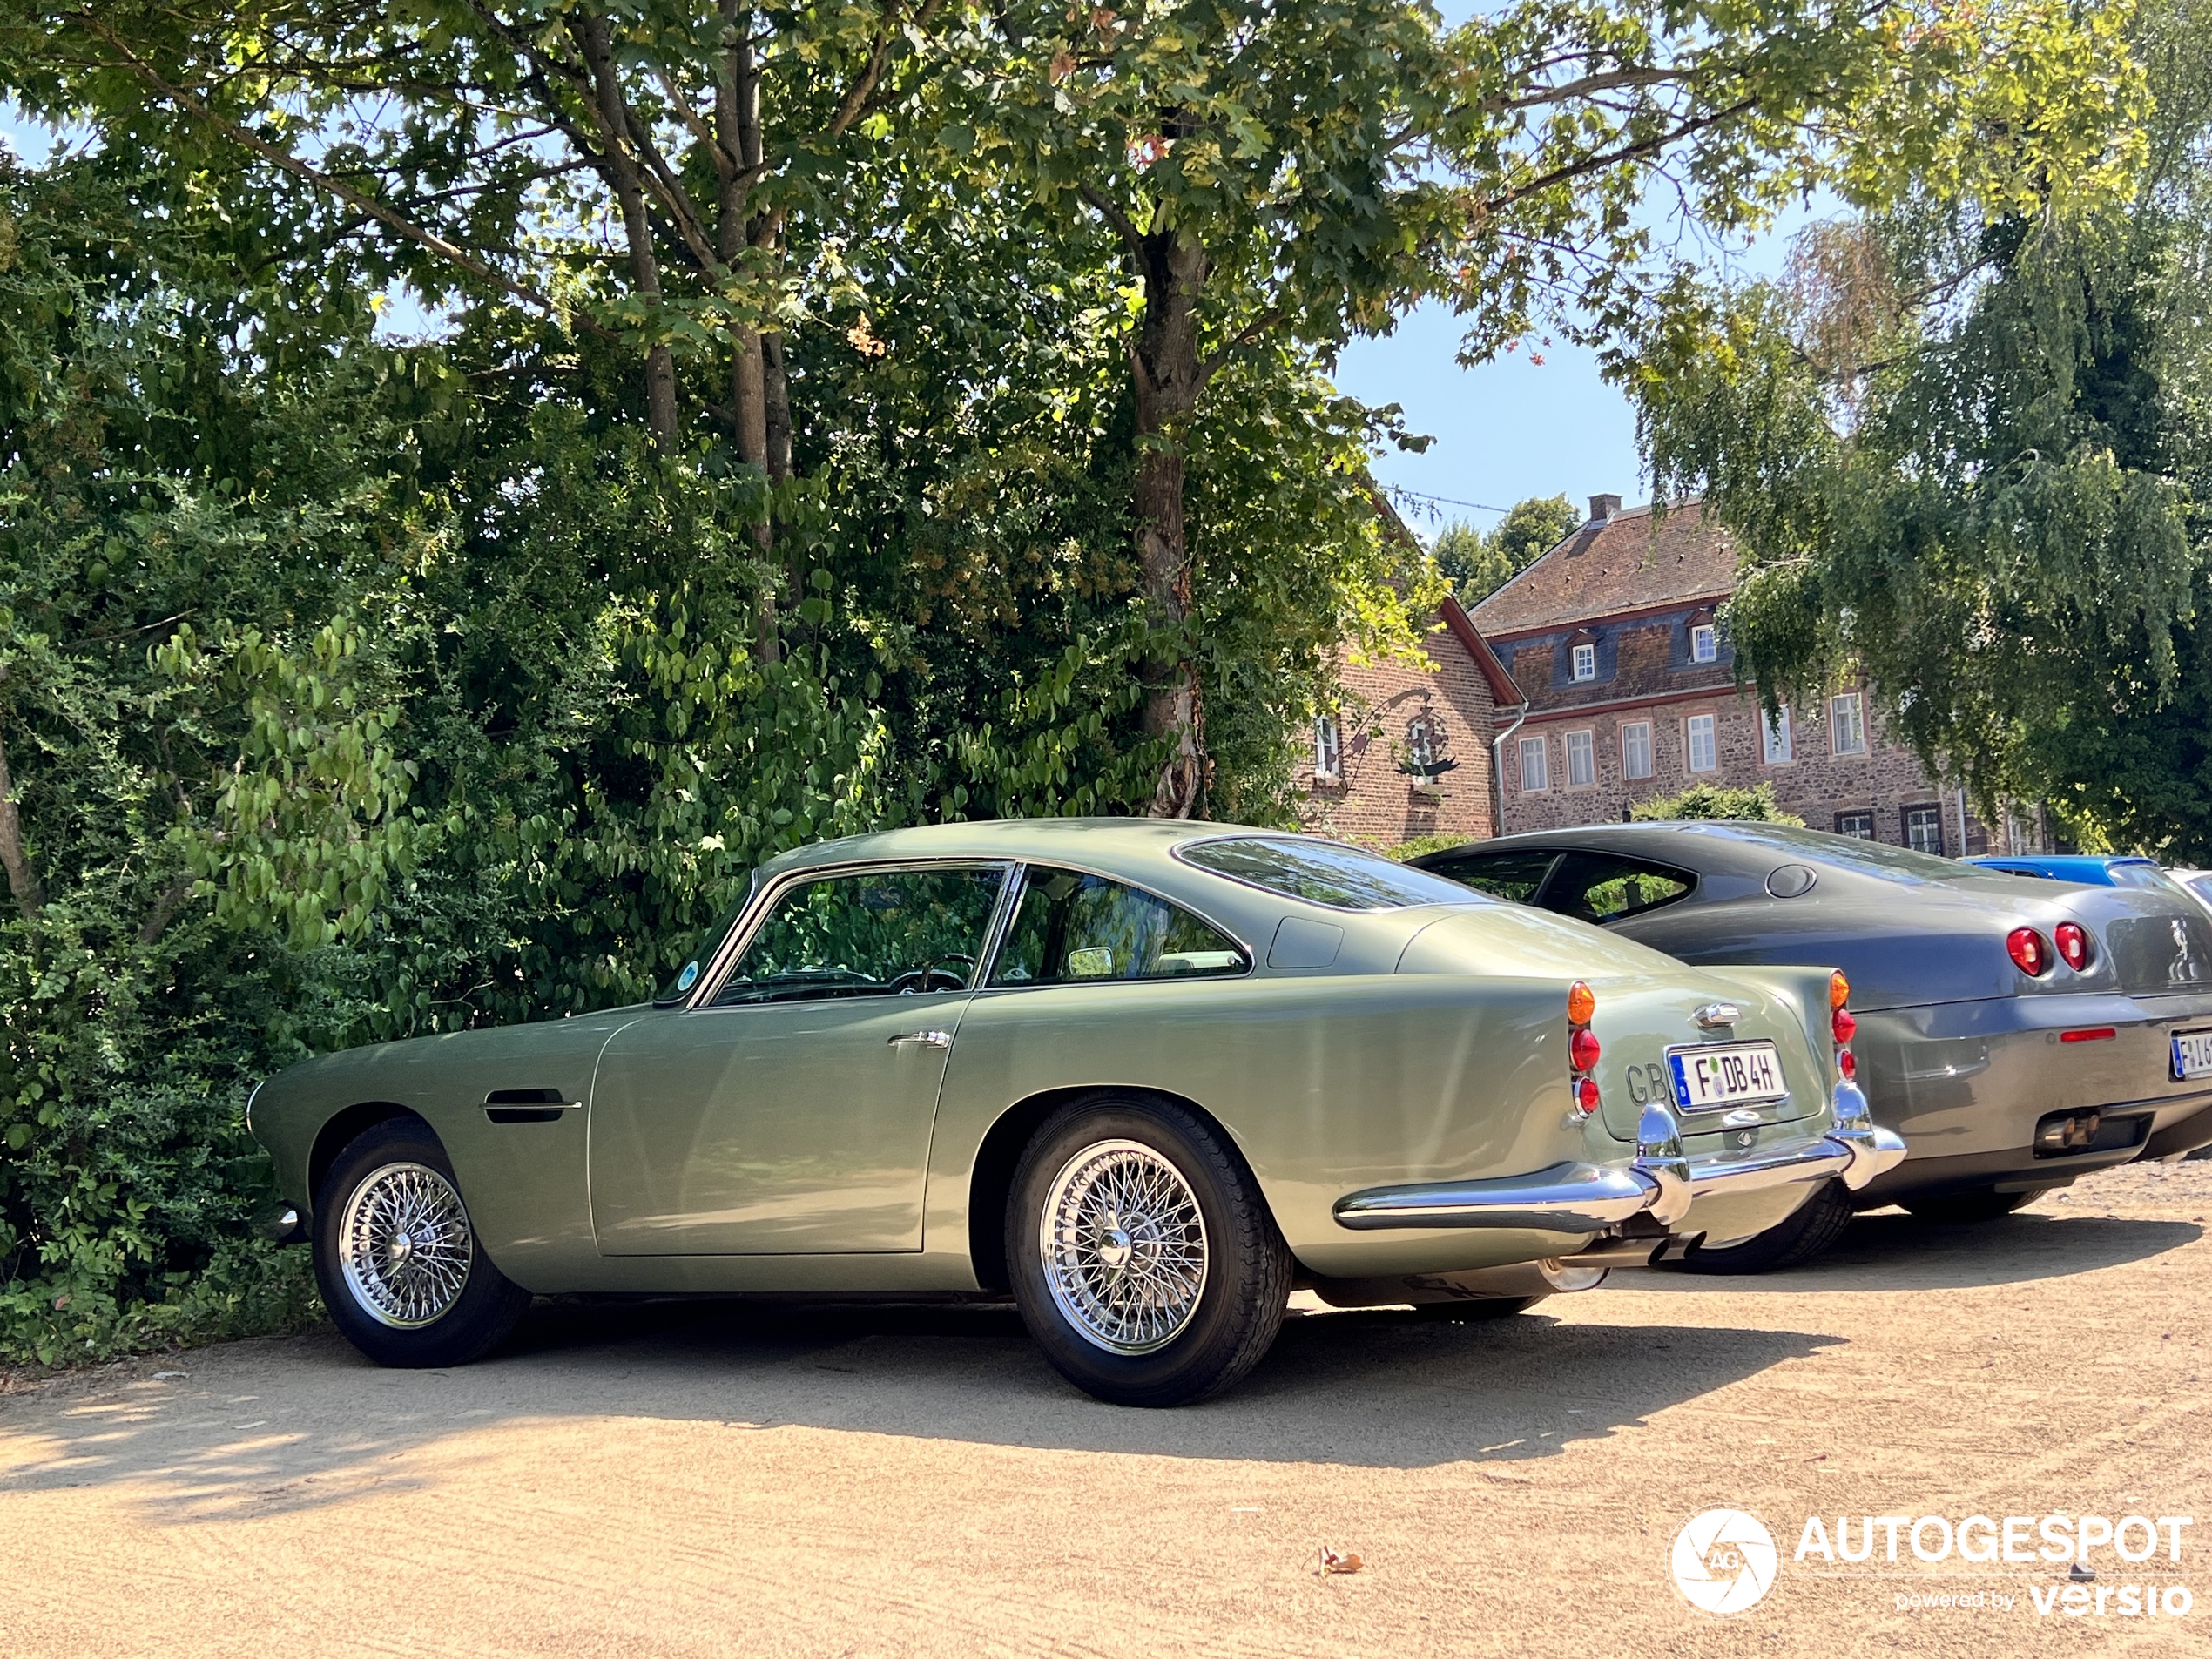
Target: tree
{"x": 1306, "y": 169}
{"x": 1965, "y": 452}
{"x": 1479, "y": 563}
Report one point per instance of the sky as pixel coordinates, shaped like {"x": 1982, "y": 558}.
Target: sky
{"x": 1501, "y": 432}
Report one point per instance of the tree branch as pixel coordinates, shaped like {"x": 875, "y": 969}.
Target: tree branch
{"x": 1110, "y": 212}
{"x": 429, "y": 240}
{"x": 1603, "y": 159}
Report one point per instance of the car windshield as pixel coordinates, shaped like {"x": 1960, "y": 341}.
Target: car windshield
{"x": 1325, "y": 873}
{"x": 2137, "y": 873}
{"x": 688, "y": 974}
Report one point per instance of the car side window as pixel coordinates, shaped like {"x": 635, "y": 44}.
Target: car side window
{"x": 1069, "y": 926}
{"x": 1600, "y": 886}
{"x": 868, "y": 933}
{"x": 1515, "y": 876}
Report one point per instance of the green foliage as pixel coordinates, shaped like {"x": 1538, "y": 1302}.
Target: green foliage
{"x": 1714, "y": 800}
{"x": 1479, "y": 563}
{"x": 1967, "y": 457}
{"x": 1406, "y": 851}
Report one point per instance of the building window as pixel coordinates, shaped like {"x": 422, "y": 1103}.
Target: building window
{"x": 1859, "y": 826}
{"x": 1924, "y": 829}
{"x": 1586, "y": 662}
{"x": 1581, "y": 759}
{"x": 1535, "y": 769}
{"x": 1698, "y": 743}
{"x": 1774, "y": 736}
{"x": 1704, "y": 643}
{"x": 1636, "y": 749}
{"x": 1847, "y": 723}
{"x": 1328, "y": 750}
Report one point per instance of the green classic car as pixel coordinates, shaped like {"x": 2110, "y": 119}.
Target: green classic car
{"x": 1148, "y": 1077}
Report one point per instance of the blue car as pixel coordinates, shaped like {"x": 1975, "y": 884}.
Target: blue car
{"x": 2088, "y": 869}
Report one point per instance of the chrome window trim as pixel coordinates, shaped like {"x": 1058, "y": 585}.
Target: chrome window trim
{"x": 1019, "y": 884}
{"x": 741, "y": 933}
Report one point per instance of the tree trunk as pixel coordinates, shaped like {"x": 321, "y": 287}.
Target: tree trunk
{"x": 591, "y": 34}
{"x": 737, "y": 133}
{"x": 23, "y": 879}
{"x": 1165, "y": 366}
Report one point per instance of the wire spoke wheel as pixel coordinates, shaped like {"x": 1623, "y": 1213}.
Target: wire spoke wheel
{"x": 406, "y": 1246}
{"x": 1123, "y": 1247}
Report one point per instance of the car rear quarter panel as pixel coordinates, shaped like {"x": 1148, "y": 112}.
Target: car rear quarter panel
{"x": 1326, "y": 1085}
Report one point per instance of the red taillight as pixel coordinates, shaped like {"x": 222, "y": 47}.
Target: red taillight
{"x": 1586, "y": 1096}
{"x": 2073, "y": 941}
{"x": 1847, "y": 1062}
{"x": 1844, "y": 1025}
{"x": 1582, "y": 1050}
{"x": 2029, "y": 950}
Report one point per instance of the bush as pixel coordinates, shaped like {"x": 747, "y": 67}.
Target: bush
{"x": 1712, "y": 800}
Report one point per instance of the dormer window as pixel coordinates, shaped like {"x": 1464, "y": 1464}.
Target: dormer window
{"x": 1586, "y": 662}
{"x": 1704, "y": 643}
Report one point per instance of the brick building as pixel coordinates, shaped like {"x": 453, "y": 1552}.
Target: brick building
{"x": 1612, "y": 640}
{"x": 1407, "y": 752}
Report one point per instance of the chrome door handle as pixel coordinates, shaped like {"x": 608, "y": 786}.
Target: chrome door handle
{"x": 935, "y": 1039}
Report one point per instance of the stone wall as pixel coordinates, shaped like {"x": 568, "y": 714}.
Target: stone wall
{"x": 1370, "y": 799}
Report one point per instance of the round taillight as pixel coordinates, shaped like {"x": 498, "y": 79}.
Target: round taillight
{"x": 2073, "y": 941}
{"x": 1844, "y": 1025}
{"x": 1585, "y": 1097}
{"x": 1581, "y": 1003}
{"x": 1582, "y": 1050}
{"x": 1847, "y": 1062}
{"x": 1838, "y": 990}
{"x": 2030, "y": 952}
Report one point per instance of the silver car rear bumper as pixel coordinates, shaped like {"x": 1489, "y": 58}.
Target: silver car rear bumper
{"x": 1590, "y": 1198}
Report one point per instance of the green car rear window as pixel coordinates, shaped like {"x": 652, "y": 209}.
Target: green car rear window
{"x": 1325, "y": 873}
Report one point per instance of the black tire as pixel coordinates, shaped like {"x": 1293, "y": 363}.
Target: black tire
{"x": 1807, "y": 1233}
{"x": 1203, "y": 1343}
{"x": 461, "y": 1327}
{"x": 1475, "y": 1311}
{"x": 1981, "y": 1203}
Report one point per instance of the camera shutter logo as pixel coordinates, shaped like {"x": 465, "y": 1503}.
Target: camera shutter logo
{"x": 1723, "y": 1561}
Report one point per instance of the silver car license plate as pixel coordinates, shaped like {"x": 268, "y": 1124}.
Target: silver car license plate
{"x": 1727, "y": 1074}
{"x": 2193, "y": 1053}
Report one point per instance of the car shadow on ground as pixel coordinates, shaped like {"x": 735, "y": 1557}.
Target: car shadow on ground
{"x": 1889, "y": 1250}
{"x": 270, "y": 1427}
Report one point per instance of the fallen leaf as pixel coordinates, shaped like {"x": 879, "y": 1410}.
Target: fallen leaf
{"x": 1333, "y": 1562}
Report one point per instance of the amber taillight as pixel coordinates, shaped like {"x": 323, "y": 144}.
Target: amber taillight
{"x": 1842, "y": 1025}
{"x": 1582, "y": 1048}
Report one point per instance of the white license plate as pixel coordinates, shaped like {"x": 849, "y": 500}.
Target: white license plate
{"x": 1726, "y": 1074}
{"x": 2193, "y": 1053}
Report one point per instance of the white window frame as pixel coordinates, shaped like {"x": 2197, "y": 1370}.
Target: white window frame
{"x": 1538, "y": 748}
{"x": 1584, "y": 750}
{"x": 1585, "y": 659}
{"x": 1847, "y": 713}
{"x": 1856, "y": 813}
{"x": 1629, "y": 769}
{"x": 1420, "y": 740}
{"x": 1689, "y": 743}
{"x": 1705, "y": 643}
{"x": 1328, "y": 749}
{"x": 1927, "y": 814}
{"x": 1777, "y": 744}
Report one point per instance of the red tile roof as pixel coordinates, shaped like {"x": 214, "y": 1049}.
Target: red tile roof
{"x": 1633, "y": 561}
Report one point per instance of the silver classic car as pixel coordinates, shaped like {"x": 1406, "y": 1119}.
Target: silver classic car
{"x": 2016, "y": 1032}
{"x": 1146, "y": 1077}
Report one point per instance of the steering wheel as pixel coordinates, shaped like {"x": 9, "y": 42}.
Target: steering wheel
{"x": 931, "y": 977}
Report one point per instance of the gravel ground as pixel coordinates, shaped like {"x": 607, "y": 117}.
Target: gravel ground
{"x": 740, "y": 1479}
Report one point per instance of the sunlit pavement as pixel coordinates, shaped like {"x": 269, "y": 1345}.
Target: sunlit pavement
{"x": 728, "y": 1479}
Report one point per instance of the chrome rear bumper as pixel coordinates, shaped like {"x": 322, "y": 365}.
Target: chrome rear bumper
{"x": 1660, "y": 1181}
